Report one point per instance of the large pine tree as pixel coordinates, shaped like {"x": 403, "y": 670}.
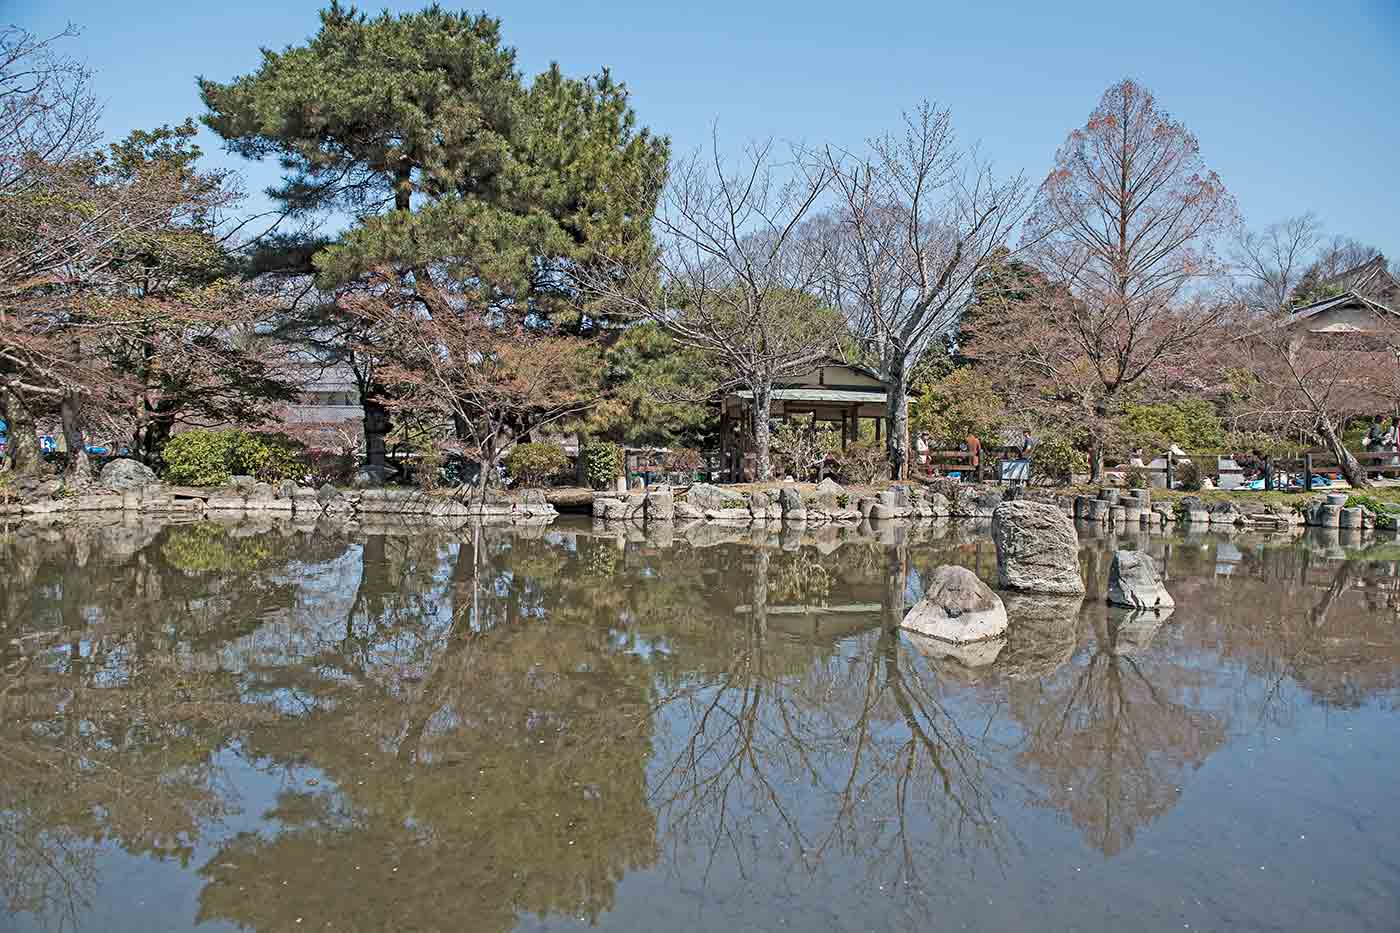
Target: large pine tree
{"x": 476, "y": 189}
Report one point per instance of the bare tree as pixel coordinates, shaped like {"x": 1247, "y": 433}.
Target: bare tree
{"x": 918, "y": 222}
{"x": 733, "y": 274}
{"x": 1128, "y": 222}
{"x": 1270, "y": 263}
{"x": 48, "y": 113}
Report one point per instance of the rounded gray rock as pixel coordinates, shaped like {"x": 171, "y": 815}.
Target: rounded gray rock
{"x": 123, "y": 475}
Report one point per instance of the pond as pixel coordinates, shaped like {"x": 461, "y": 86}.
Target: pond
{"x": 257, "y": 728}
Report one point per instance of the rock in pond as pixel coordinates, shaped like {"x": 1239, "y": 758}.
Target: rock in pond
{"x": 1037, "y": 548}
{"x": 1133, "y": 582}
{"x": 957, "y": 607}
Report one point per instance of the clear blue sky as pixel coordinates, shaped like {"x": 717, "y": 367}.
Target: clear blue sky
{"x": 1295, "y": 104}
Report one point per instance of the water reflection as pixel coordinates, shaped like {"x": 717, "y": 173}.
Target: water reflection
{"x": 395, "y": 727}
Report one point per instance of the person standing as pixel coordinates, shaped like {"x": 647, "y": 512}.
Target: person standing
{"x": 1026, "y": 444}
{"x": 974, "y": 452}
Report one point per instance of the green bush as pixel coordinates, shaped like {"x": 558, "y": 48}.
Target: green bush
{"x": 535, "y": 464}
{"x": 213, "y": 458}
{"x": 1192, "y": 423}
{"x": 1371, "y": 504}
{"x": 963, "y": 402}
{"x": 1188, "y": 477}
{"x": 1057, "y": 460}
{"x": 602, "y": 463}
{"x": 1137, "y": 478}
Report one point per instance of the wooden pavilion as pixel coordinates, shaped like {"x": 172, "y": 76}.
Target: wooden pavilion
{"x": 833, "y": 392}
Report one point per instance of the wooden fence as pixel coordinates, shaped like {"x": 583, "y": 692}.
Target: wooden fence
{"x": 1276, "y": 472}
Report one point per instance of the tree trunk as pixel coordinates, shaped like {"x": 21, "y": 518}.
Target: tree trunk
{"x": 897, "y": 411}
{"x": 78, "y": 472}
{"x": 154, "y": 435}
{"x": 1096, "y": 438}
{"x": 377, "y": 427}
{"x": 22, "y": 441}
{"x": 762, "y": 437}
{"x": 1351, "y": 469}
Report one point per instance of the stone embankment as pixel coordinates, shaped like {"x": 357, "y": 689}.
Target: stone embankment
{"x": 1134, "y": 507}
{"x": 125, "y": 489}
{"x": 828, "y": 503}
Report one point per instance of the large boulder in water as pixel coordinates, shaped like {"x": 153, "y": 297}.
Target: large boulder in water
{"x": 957, "y": 607}
{"x": 125, "y": 475}
{"x": 829, "y": 493}
{"x": 1037, "y": 548}
{"x": 1134, "y": 584}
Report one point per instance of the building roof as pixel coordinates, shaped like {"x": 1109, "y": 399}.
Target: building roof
{"x": 1371, "y": 279}
{"x": 838, "y": 396}
{"x": 1369, "y": 285}
{"x": 857, "y": 367}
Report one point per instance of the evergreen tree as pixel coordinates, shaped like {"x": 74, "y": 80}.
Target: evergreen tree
{"x": 477, "y": 189}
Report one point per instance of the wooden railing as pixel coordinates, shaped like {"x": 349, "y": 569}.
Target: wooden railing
{"x": 960, "y": 462}
{"x": 1277, "y": 472}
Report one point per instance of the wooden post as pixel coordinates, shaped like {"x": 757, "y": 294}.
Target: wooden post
{"x": 1170, "y": 458}
{"x": 723, "y": 435}
{"x": 1307, "y": 473}
{"x": 879, "y": 423}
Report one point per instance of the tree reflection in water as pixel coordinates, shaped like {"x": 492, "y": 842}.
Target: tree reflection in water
{"x": 471, "y": 727}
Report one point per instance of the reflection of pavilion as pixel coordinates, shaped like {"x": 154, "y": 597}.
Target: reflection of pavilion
{"x": 821, "y": 623}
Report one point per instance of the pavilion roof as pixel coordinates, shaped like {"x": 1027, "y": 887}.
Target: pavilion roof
{"x": 835, "y": 396}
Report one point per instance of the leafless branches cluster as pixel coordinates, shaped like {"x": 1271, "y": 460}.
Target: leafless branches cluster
{"x": 918, "y": 220}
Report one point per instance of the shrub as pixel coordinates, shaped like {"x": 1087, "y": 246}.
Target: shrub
{"x": 535, "y": 464}
{"x": 1192, "y": 423}
{"x": 1057, "y": 460}
{"x": 863, "y": 462}
{"x": 1137, "y": 478}
{"x": 1188, "y": 477}
{"x": 1371, "y": 504}
{"x": 433, "y": 469}
{"x": 802, "y": 448}
{"x": 963, "y": 402}
{"x": 212, "y": 458}
{"x": 602, "y": 464}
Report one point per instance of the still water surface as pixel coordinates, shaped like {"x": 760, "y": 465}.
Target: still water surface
{"x": 247, "y": 728}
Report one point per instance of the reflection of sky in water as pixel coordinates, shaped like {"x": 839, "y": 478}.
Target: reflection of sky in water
{"x": 555, "y": 731}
